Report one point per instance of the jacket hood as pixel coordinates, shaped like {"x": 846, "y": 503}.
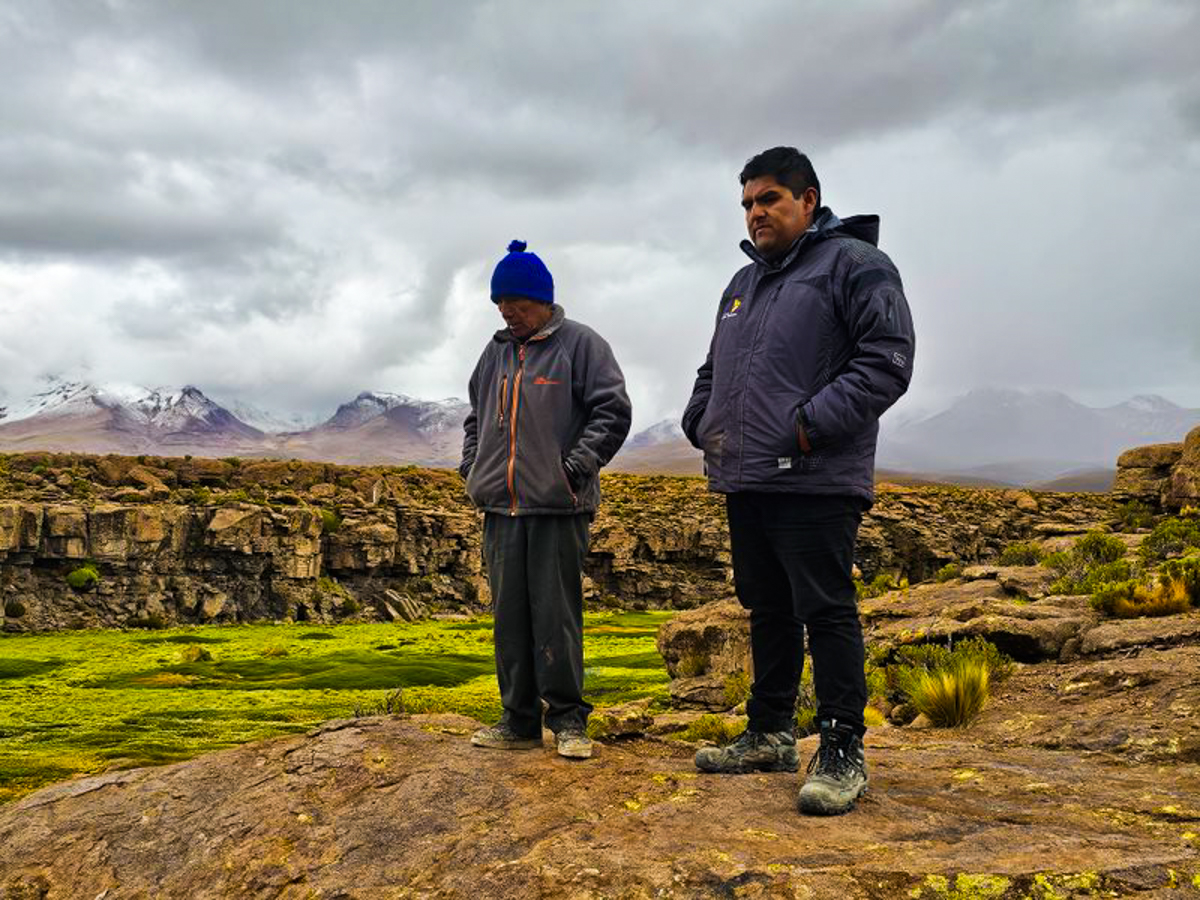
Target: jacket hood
{"x": 825, "y": 224}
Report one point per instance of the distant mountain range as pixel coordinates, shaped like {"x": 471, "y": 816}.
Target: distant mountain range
{"x": 988, "y": 436}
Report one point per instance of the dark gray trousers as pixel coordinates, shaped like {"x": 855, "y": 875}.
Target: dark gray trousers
{"x": 535, "y": 571}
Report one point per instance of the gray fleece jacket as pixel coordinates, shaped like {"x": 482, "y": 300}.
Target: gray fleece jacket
{"x": 546, "y": 415}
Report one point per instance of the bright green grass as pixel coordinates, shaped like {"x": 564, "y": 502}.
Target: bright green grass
{"x": 84, "y": 701}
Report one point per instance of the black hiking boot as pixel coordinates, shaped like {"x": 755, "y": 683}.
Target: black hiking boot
{"x": 752, "y": 751}
{"x": 837, "y": 773}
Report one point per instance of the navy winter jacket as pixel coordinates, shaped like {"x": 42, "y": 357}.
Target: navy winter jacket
{"x": 820, "y": 340}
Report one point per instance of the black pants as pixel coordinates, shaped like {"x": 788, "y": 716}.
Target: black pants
{"x": 535, "y": 571}
{"x": 792, "y": 558}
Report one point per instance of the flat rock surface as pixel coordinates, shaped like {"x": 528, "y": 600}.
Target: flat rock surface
{"x": 407, "y": 808}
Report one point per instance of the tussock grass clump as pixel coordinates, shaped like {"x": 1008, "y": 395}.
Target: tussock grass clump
{"x": 195, "y": 653}
{"x": 84, "y": 578}
{"x": 1176, "y": 590}
{"x": 737, "y": 688}
{"x": 711, "y": 727}
{"x": 1022, "y": 553}
{"x": 691, "y": 665}
{"x": 952, "y": 697}
{"x": 949, "y": 684}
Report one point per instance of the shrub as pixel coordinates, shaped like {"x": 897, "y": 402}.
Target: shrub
{"x": 709, "y": 727}
{"x": 274, "y": 652}
{"x": 1095, "y": 560}
{"x": 84, "y": 578}
{"x": 14, "y": 609}
{"x": 1170, "y": 537}
{"x": 952, "y": 697}
{"x": 1022, "y": 553}
{"x": 331, "y": 522}
{"x": 949, "y": 572}
{"x": 1134, "y": 515}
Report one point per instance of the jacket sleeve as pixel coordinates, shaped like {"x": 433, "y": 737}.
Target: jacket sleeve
{"x": 702, "y": 389}
{"x": 878, "y": 368}
{"x": 698, "y": 403}
{"x": 601, "y": 387}
{"x": 471, "y": 424}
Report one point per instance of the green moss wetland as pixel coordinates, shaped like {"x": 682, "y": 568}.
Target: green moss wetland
{"x": 86, "y": 701}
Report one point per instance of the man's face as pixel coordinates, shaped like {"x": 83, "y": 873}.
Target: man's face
{"x": 774, "y": 218}
{"x": 523, "y": 316}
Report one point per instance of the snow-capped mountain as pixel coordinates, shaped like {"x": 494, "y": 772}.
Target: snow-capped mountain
{"x": 270, "y": 422}
{"x": 1033, "y": 435}
{"x": 120, "y": 418}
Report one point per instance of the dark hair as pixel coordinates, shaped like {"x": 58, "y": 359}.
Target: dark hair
{"x": 788, "y": 166}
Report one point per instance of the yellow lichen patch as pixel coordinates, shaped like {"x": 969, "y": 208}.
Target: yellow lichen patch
{"x": 964, "y": 775}
{"x": 759, "y": 833}
{"x": 1039, "y": 787}
{"x": 632, "y": 805}
{"x": 684, "y": 795}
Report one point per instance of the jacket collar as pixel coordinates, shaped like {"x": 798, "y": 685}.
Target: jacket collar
{"x": 824, "y": 225}
{"x": 557, "y": 317}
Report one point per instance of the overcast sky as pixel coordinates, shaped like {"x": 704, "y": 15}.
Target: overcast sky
{"x": 289, "y": 202}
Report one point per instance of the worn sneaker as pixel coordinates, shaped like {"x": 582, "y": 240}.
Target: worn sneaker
{"x": 573, "y": 744}
{"x": 752, "y": 751}
{"x": 837, "y": 773}
{"x": 502, "y": 737}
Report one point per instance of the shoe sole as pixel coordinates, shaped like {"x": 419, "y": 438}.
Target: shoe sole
{"x": 747, "y": 770}
{"x": 576, "y": 754}
{"x": 811, "y": 806}
{"x": 530, "y": 744}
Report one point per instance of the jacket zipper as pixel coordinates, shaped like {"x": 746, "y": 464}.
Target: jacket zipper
{"x": 503, "y": 402}
{"x": 512, "y": 432}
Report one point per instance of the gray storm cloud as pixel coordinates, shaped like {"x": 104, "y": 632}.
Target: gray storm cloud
{"x": 293, "y": 202}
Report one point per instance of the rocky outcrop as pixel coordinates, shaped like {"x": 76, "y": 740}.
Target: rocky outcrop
{"x": 1184, "y": 487}
{"x": 704, "y": 649}
{"x": 1166, "y": 476}
{"x": 407, "y": 808}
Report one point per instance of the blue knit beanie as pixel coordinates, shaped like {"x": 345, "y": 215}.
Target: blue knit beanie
{"x": 522, "y": 274}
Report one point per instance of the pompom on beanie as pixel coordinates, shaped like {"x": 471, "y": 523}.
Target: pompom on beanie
{"x": 522, "y": 274}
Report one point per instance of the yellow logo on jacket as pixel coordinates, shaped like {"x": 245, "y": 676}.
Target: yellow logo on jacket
{"x": 733, "y": 309}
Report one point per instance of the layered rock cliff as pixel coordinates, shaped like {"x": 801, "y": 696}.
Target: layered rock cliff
{"x": 196, "y": 540}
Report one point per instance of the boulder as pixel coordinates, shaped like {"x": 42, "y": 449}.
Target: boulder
{"x": 1144, "y": 473}
{"x": 712, "y": 640}
{"x": 627, "y": 720}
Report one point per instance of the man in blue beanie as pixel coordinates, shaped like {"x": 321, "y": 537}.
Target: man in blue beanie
{"x": 548, "y": 410}
{"x": 813, "y": 341}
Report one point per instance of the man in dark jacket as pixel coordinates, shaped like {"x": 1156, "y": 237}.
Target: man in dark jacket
{"x": 813, "y": 342}
{"x": 548, "y": 410}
